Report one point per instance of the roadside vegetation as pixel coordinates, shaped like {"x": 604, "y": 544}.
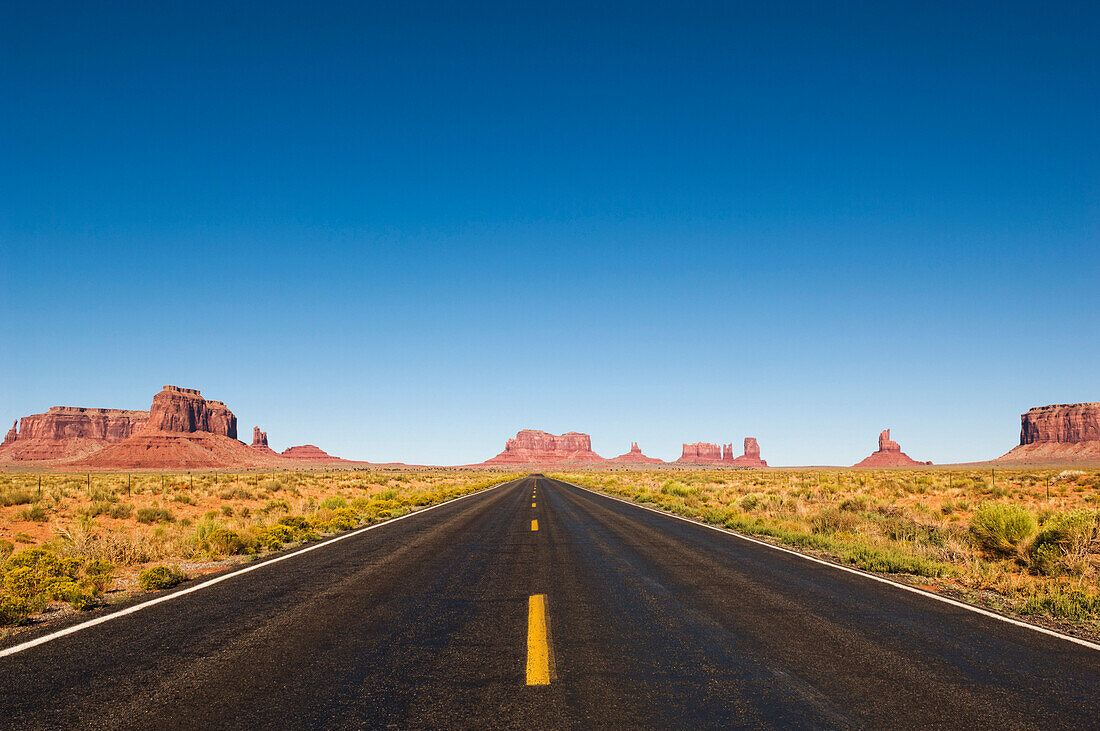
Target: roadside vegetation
{"x": 1021, "y": 541}
{"x": 81, "y": 540}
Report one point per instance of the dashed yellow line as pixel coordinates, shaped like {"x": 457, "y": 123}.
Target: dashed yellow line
{"x": 534, "y": 525}
{"x": 540, "y": 660}
{"x": 532, "y": 505}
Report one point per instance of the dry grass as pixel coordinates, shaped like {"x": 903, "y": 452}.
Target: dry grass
{"x": 1022, "y": 541}
{"x": 120, "y": 524}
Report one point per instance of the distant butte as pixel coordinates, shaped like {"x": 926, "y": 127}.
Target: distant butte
{"x": 1058, "y": 434}
{"x": 309, "y": 452}
{"x": 889, "y": 454}
{"x": 534, "y": 447}
{"x": 259, "y": 442}
{"x": 635, "y": 456}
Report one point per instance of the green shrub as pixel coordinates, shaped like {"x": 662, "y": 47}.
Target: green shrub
{"x": 6, "y": 547}
{"x": 333, "y": 502}
{"x": 155, "y": 515}
{"x": 1063, "y": 542}
{"x": 1064, "y": 603}
{"x": 160, "y": 577}
{"x": 1001, "y": 528}
{"x": 14, "y": 610}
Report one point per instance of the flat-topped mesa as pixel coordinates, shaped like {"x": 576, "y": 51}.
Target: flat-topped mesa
{"x": 531, "y": 446}
{"x": 751, "y": 457}
{"x": 1061, "y": 423}
{"x": 889, "y": 454}
{"x": 184, "y": 410}
{"x": 701, "y": 453}
{"x": 1058, "y": 433}
{"x": 69, "y": 431}
{"x": 308, "y": 452}
{"x": 635, "y": 456}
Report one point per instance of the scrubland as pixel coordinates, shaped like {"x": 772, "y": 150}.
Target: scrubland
{"x": 1024, "y": 542}
{"x": 82, "y": 540}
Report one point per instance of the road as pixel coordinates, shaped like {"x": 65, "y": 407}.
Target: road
{"x": 648, "y": 621}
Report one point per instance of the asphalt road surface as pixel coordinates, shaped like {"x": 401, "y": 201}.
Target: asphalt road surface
{"x": 637, "y": 620}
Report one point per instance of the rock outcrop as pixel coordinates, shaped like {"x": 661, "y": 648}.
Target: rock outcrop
{"x": 65, "y": 431}
{"x": 701, "y": 453}
{"x": 184, "y": 410}
{"x": 259, "y": 442}
{"x": 750, "y": 458}
{"x": 531, "y": 446}
{"x": 183, "y": 430}
{"x": 889, "y": 454}
{"x": 1057, "y": 434}
{"x": 12, "y": 434}
{"x": 309, "y": 452}
{"x": 635, "y": 456}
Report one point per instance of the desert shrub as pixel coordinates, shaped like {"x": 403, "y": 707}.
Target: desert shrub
{"x": 180, "y": 497}
{"x": 33, "y": 513}
{"x": 14, "y": 497}
{"x": 160, "y": 577}
{"x": 276, "y": 506}
{"x": 121, "y": 510}
{"x": 673, "y": 487}
{"x": 749, "y": 502}
{"x": 341, "y": 519}
{"x": 1064, "y": 541}
{"x": 333, "y": 502}
{"x": 894, "y": 562}
{"x": 856, "y": 503}
{"x": 6, "y": 547}
{"x": 155, "y": 515}
{"x": 227, "y": 511}
{"x": 1063, "y": 603}
{"x": 834, "y": 520}
{"x": 1001, "y": 528}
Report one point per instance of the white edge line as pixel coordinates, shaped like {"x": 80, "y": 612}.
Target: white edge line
{"x": 850, "y": 570}
{"x": 225, "y": 577}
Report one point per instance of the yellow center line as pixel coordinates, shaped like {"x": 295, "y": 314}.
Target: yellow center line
{"x": 540, "y": 659}
{"x": 534, "y": 525}
{"x": 532, "y": 505}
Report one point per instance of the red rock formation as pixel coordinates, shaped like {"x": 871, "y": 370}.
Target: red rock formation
{"x": 184, "y": 430}
{"x": 701, "y": 453}
{"x": 1059, "y": 433}
{"x": 259, "y": 442}
{"x": 309, "y": 452}
{"x": 635, "y": 456}
{"x": 751, "y": 457}
{"x": 12, "y": 434}
{"x": 531, "y": 446}
{"x": 889, "y": 454}
{"x": 66, "y": 431}
{"x": 184, "y": 410}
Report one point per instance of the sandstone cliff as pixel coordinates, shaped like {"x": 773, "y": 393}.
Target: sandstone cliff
{"x": 66, "y": 431}
{"x": 751, "y": 456}
{"x": 1059, "y": 433}
{"x": 183, "y": 430}
{"x": 889, "y": 454}
{"x": 184, "y": 410}
{"x": 701, "y": 453}
{"x": 531, "y": 446}
{"x": 635, "y": 456}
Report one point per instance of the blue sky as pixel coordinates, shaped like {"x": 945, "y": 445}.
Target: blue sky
{"x": 405, "y": 231}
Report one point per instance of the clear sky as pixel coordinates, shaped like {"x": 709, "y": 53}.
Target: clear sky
{"x": 405, "y": 231}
